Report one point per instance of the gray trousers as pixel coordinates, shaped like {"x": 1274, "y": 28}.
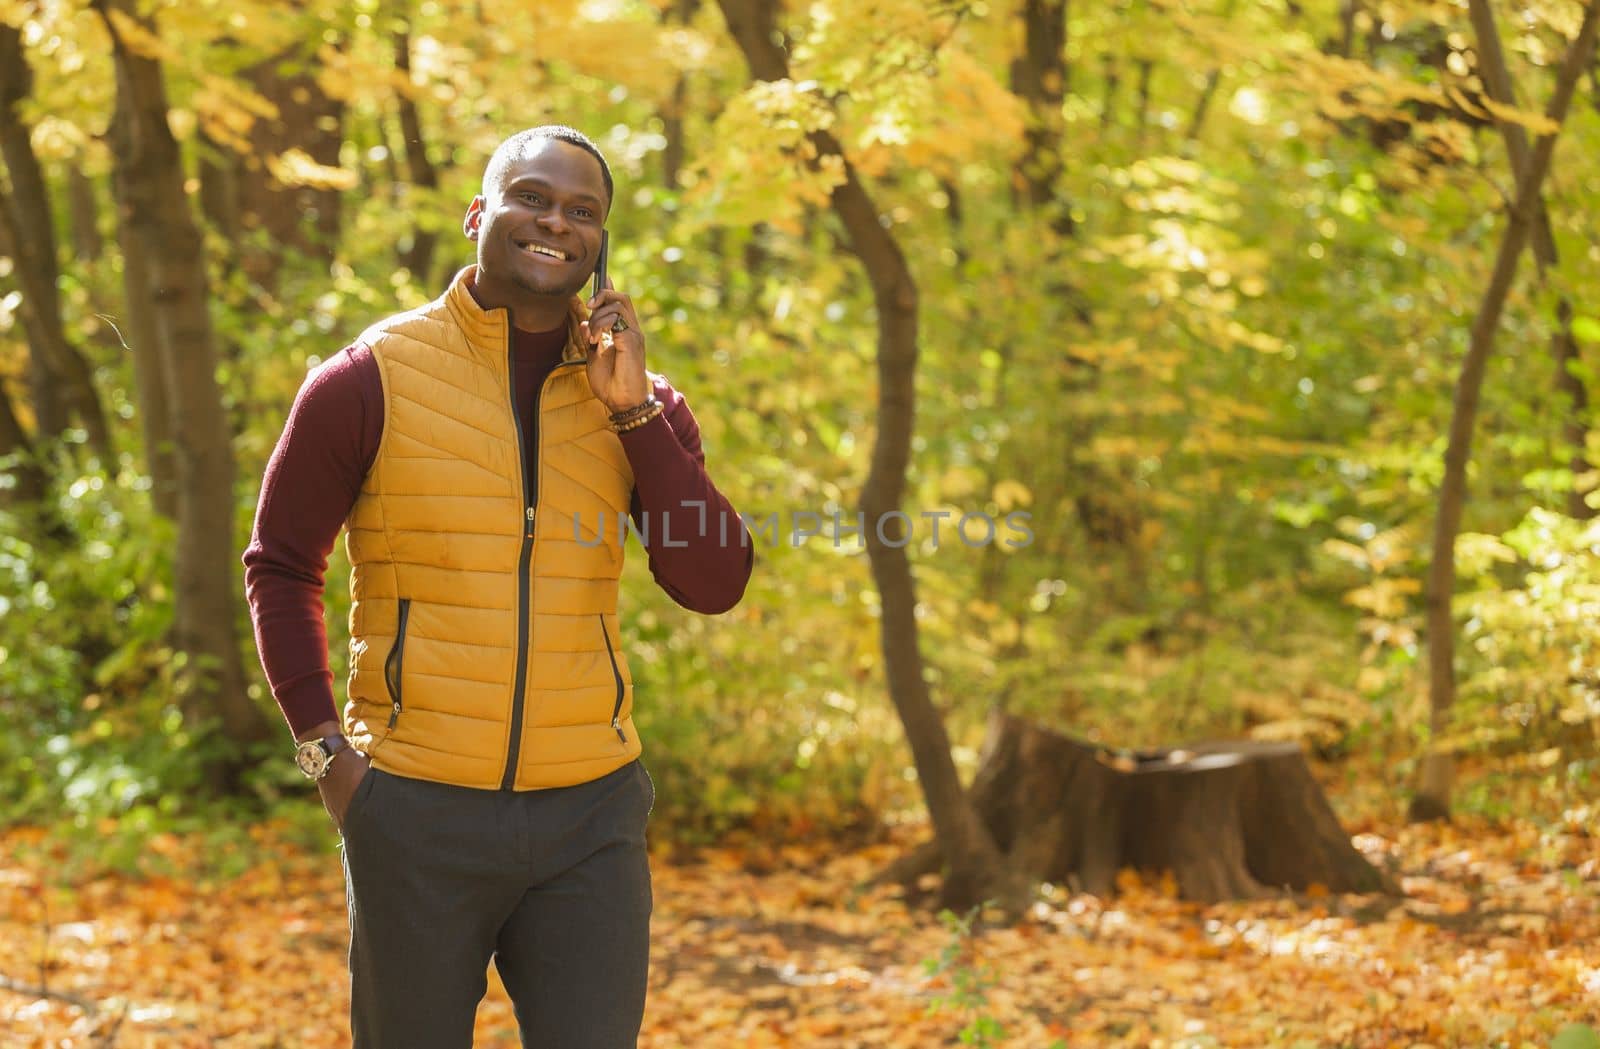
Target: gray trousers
{"x": 553, "y": 885}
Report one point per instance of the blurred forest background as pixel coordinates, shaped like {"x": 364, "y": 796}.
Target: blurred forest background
{"x": 1192, "y": 282}
{"x": 1278, "y": 319}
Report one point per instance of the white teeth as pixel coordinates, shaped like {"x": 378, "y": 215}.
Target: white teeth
{"x": 540, "y": 249}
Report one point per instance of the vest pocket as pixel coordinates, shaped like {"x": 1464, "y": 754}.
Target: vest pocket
{"x": 393, "y": 664}
{"x": 616, "y": 711}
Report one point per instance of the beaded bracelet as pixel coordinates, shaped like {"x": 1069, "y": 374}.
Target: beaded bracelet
{"x": 655, "y": 409}
{"x": 630, "y": 414}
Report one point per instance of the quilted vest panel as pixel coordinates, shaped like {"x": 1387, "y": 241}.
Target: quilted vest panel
{"x": 482, "y": 655}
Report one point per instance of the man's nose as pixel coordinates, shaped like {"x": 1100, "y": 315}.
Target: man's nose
{"x": 553, "y": 220}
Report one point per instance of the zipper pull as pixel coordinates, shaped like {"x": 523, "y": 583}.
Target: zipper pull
{"x": 530, "y": 522}
{"x": 395, "y": 716}
{"x": 619, "y": 730}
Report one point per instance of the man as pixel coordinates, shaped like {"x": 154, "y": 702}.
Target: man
{"x": 485, "y": 775}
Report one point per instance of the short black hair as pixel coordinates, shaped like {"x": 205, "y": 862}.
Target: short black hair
{"x": 513, "y": 148}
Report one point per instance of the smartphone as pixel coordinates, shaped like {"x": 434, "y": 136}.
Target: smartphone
{"x": 600, "y": 263}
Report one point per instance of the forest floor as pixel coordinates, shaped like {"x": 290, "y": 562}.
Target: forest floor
{"x": 1496, "y": 943}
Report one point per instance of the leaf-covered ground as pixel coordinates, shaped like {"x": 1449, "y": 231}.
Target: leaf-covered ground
{"x": 1497, "y": 943}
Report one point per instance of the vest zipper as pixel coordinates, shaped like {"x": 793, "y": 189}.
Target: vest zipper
{"x": 616, "y": 711}
{"x": 393, "y": 665}
{"x": 524, "y": 561}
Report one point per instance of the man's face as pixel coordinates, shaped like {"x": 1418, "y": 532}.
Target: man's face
{"x": 539, "y": 231}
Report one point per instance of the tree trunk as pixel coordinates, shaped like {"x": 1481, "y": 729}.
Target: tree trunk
{"x": 672, "y": 154}
{"x": 974, "y": 870}
{"x": 1575, "y": 408}
{"x": 219, "y": 191}
{"x": 1111, "y": 77}
{"x": 1141, "y": 118}
{"x": 1432, "y": 800}
{"x": 1103, "y": 502}
{"x": 158, "y": 228}
{"x": 1348, "y": 9}
{"x": 1497, "y": 82}
{"x": 60, "y": 379}
{"x": 299, "y": 217}
{"x": 1203, "y": 105}
{"x": 1228, "y": 820}
{"x": 143, "y": 341}
{"x": 1039, "y": 78}
{"x": 418, "y": 258}
{"x": 87, "y": 244}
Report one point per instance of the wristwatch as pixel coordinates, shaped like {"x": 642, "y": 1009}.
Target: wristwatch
{"x": 315, "y": 756}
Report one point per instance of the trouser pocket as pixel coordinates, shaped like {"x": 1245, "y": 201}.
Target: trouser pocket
{"x": 649, "y": 787}
{"x": 361, "y": 800}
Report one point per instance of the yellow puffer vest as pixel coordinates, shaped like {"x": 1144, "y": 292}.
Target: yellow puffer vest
{"x": 484, "y": 649}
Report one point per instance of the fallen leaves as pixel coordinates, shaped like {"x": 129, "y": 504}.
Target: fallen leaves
{"x": 1495, "y": 944}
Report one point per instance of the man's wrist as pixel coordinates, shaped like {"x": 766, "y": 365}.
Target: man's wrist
{"x": 319, "y": 730}
{"x": 629, "y": 404}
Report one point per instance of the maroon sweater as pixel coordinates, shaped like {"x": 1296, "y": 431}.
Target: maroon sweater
{"x": 331, "y": 439}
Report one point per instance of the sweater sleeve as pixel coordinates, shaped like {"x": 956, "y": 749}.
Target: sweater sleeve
{"x": 700, "y": 551}
{"x": 312, "y": 480}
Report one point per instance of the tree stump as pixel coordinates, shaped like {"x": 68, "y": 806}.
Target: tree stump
{"x": 1229, "y": 819}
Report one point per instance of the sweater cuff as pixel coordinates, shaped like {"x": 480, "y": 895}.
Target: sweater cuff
{"x": 640, "y": 442}
{"x": 308, "y": 702}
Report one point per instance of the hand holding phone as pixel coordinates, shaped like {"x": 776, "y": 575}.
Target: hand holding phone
{"x": 616, "y": 363}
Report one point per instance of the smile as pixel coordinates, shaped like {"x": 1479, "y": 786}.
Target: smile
{"x": 535, "y": 248}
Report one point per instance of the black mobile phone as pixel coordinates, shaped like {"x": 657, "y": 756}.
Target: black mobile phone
{"x": 600, "y": 263}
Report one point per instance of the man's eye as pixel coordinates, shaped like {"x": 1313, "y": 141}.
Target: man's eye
{"x": 583, "y": 213}
{"x": 531, "y": 198}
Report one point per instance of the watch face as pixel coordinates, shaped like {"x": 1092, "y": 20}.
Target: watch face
{"x": 310, "y": 758}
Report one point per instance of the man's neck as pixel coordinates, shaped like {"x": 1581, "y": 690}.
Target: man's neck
{"x": 545, "y": 314}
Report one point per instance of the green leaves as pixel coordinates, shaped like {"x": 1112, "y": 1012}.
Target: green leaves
{"x": 1576, "y": 1036}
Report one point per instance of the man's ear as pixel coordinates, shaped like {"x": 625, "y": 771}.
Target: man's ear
{"x": 469, "y": 224}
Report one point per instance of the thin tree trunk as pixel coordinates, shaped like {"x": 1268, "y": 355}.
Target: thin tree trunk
{"x": 1497, "y": 81}
{"x": 246, "y": 196}
{"x": 1203, "y": 105}
{"x": 219, "y": 190}
{"x": 1112, "y": 79}
{"x": 1432, "y": 800}
{"x": 1039, "y": 77}
{"x": 299, "y": 217}
{"x": 218, "y": 166}
{"x": 1101, "y": 500}
{"x": 390, "y": 168}
{"x": 419, "y": 257}
{"x": 142, "y": 339}
{"x": 1348, "y": 10}
{"x": 1142, "y": 115}
{"x": 672, "y": 116}
{"x": 87, "y": 243}
{"x": 157, "y": 224}
{"x": 975, "y": 868}
{"x": 60, "y": 379}
{"x": 1575, "y": 404}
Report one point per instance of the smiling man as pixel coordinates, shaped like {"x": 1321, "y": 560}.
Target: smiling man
{"x": 485, "y": 774}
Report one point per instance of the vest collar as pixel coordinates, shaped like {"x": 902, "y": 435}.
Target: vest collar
{"x": 490, "y": 328}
